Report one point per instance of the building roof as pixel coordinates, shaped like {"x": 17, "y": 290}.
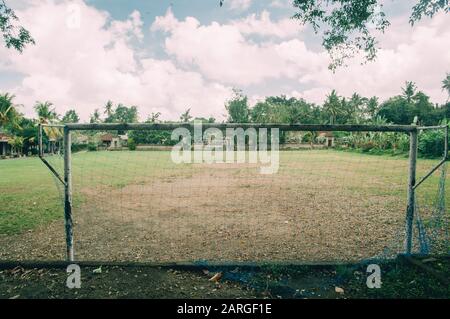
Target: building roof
{"x": 326, "y": 134}
{"x": 106, "y": 138}
{"x": 82, "y": 138}
{"x": 4, "y": 137}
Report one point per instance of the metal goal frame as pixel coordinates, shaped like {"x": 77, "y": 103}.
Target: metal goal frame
{"x": 412, "y": 130}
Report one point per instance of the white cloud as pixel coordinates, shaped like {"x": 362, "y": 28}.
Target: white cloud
{"x": 130, "y": 27}
{"x": 239, "y": 5}
{"x": 281, "y": 4}
{"x": 264, "y": 26}
{"x": 226, "y": 53}
{"x": 86, "y": 66}
{"x": 418, "y": 54}
{"x": 223, "y": 53}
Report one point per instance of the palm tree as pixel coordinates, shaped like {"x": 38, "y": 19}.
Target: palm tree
{"x": 109, "y": 112}
{"x": 355, "y": 107}
{"x": 154, "y": 117}
{"x": 409, "y": 91}
{"x": 95, "y": 117}
{"x": 372, "y": 107}
{"x": 186, "y": 116}
{"x": 446, "y": 84}
{"x": 109, "y": 108}
{"x": 45, "y": 112}
{"x": 47, "y": 115}
{"x": 332, "y": 106}
{"x": 8, "y": 111}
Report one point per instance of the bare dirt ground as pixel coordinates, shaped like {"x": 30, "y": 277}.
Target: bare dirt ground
{"x": 117, "y": 282}
{"x": 425, "y": 278}
{"x": 229, "y": 213}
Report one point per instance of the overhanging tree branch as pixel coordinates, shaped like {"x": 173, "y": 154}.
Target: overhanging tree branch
{"x": 349, "y": 26}
{"x": 15, "y": 36}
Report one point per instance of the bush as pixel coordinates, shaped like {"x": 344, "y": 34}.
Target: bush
{"x": 308, "y": 137}
{"x": 431, "y": 143}
{"x": 79, "y": 147}
{"x": 402, "y": 144}
{"x": 152, "y": 137}
{"x": 366, "y": 146}
{"x": 131, "y": 144}
{"x": 92, "y": 147}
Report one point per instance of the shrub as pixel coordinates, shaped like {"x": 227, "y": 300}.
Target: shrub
{"x": 308, "y": 137}
{"x": 152, "y": 137}
{"x": 92, "y": 147}
{"x": 79, "y": 147}
{"x": 367, "y": 145}
{"x": 402, "y": 143}
{"x": 431, "y": 143}
{"x": 131, "y": 144}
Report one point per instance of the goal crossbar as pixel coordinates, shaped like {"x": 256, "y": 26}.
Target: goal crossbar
{"x": 281, "y": 126}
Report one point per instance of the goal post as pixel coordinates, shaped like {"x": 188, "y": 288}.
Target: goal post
{"x": 68, "y": 222}
{"x": 410, "y": 130}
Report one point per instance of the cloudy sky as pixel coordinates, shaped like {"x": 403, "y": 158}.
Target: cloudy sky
{"x": 168, "y": 56}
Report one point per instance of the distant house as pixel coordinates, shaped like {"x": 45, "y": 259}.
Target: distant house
{"x": 114, "y": 142}
{"x": 328, "y": 137}
{"x": 123, "y": 138}
{"x": 82, "y": 139}
{"x": 5, "y": 147}
{"x": 106, "y": 140}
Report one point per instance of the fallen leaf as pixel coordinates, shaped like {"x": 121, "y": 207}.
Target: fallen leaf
{"x": 339, "y": 290}
{"x": 216, "y": 277}
{"x": 97, "y": 270}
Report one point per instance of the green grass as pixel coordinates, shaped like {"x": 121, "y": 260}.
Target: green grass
{"x": 29, "y": 196}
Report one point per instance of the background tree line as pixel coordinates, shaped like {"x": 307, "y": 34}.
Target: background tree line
{"x": 336, "y": 109}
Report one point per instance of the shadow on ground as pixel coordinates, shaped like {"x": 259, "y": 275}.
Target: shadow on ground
{"x": 425, "y": 277}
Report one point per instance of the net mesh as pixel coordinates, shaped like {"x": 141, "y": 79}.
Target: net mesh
{"x": 342, "y": 201}
{"x": 432, "y": 221}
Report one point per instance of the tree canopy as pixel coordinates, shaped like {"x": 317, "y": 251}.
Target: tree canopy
{"x": 71, "y": 116}
{"x": 237, "y": 108}
{"x": 350, "y": 26}
{"x": 446, "y": 84}
{"x": 15, "y": 36}
{"x": 9, "y": 115}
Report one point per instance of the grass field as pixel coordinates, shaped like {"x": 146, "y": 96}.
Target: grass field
{"x": 321, "y": 205}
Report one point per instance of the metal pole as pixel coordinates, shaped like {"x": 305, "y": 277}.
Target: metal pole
{"x": 41, "y": 150}
{"x": 446, "y": 143}
{"x": 224, "y": 126}
{"x": 68, "y": 194}
{"x": 411, "y": 192}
